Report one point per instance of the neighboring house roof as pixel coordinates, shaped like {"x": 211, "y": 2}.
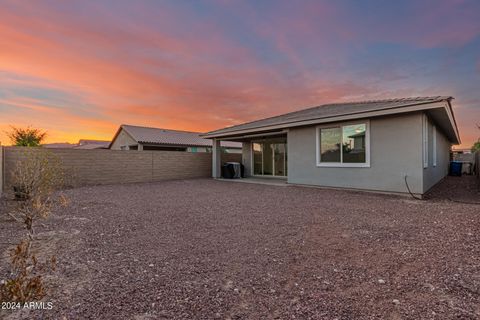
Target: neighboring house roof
{"x": 82, "y": 144}
{"x": 342, "y": 111}
{"x": 356, "y": 135}
{"x": 58, "y": 145}
{"x": 92, "y": 144}
{"x": 158, "y": 136}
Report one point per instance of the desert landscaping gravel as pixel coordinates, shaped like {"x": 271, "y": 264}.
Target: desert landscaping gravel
{"x": 205, "y": 249}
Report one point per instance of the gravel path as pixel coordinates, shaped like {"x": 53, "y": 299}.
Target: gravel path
{"x": 204, "y": 249}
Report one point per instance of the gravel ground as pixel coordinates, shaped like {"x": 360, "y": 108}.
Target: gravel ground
{"x": 204, "y": 249}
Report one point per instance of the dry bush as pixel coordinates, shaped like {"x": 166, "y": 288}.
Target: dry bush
{"x": 25, "y": 283}
{"x": 37, "y": 179}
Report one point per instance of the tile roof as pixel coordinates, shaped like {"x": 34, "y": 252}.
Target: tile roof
{"x": 58, "y": 145}
{"x": 332, "y": 110}
{"x": 82, "y": 144}
{"x": 148, "y": 135}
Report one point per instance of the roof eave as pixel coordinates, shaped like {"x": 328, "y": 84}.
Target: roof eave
{"x": 451, "y": 115}
{"x": 359, "y": 115}
{"x": 180, "y": 144}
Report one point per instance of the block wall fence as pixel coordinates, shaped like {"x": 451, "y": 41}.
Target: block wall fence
{"x": 101, "y": 166}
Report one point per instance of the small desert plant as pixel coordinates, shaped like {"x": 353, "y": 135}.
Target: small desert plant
{"x": 38, "y": 178}
{"x": 35, "y": 179}
{"x": 25, "y": 283}
{"x": 26, "y": 137}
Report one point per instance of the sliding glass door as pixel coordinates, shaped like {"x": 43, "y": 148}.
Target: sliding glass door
{"x": 270, "y": 157}
{"x": 280, "y": 160}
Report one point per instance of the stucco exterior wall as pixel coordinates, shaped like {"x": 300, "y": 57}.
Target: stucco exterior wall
{"x": 123, "y": 139}
{"x": 247, "y": 158}
{"x": 395, "y": 150}
{"x": 433, "y": 174}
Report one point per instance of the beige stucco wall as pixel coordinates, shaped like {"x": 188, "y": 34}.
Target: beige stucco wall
{"x": 122, "y": 139}
{"x": 396, "y": 150}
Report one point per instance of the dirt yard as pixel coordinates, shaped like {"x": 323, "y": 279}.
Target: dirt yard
{"x": 204, "y": 249}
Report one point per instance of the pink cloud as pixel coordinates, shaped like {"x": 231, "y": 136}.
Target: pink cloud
{"x": 190, "y": 75}
{"x": 175, "y": 91}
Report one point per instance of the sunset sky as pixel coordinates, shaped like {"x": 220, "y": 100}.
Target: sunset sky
{"x": 79, "y": 69}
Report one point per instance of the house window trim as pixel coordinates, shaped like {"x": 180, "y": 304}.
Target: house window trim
{"x": 425, "y": 141}
{"x": 320, "y": 164}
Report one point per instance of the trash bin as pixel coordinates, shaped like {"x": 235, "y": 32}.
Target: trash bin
{"x": 456, "y": 168}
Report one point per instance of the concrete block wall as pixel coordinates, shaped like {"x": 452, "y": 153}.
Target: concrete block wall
{"x": 96, "y": 167}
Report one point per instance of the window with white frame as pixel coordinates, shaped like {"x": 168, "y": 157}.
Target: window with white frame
{"x": 425, "y": 141}
{"x": 344, "y": 145}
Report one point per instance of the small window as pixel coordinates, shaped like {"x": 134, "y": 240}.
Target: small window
{"x": 343, "y": 146}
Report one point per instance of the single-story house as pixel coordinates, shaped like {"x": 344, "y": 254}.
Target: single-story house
{"x": 380, "y": 145}
{"x": 130, "y": 137}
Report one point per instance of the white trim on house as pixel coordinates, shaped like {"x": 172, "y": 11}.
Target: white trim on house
{"x": 425, "y": 140}
{"x": 451, "y": 117}
{"x": 342, "y": 164}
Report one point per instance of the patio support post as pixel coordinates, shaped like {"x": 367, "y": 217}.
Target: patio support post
{"x": 216, "y": 159}
{"x": 246, "y": 157}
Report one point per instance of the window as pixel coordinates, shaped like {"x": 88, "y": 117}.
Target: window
{"x": 425, "y": 141}
{"x": 330, "y": 140}
{"x": 434, "y": 142}
{"x": 343, "y": 145}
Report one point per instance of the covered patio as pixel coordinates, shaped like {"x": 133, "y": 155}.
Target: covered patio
{"x": 264, "y": 156}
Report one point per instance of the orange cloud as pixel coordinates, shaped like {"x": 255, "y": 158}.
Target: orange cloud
{"x": 103, "y": 70}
